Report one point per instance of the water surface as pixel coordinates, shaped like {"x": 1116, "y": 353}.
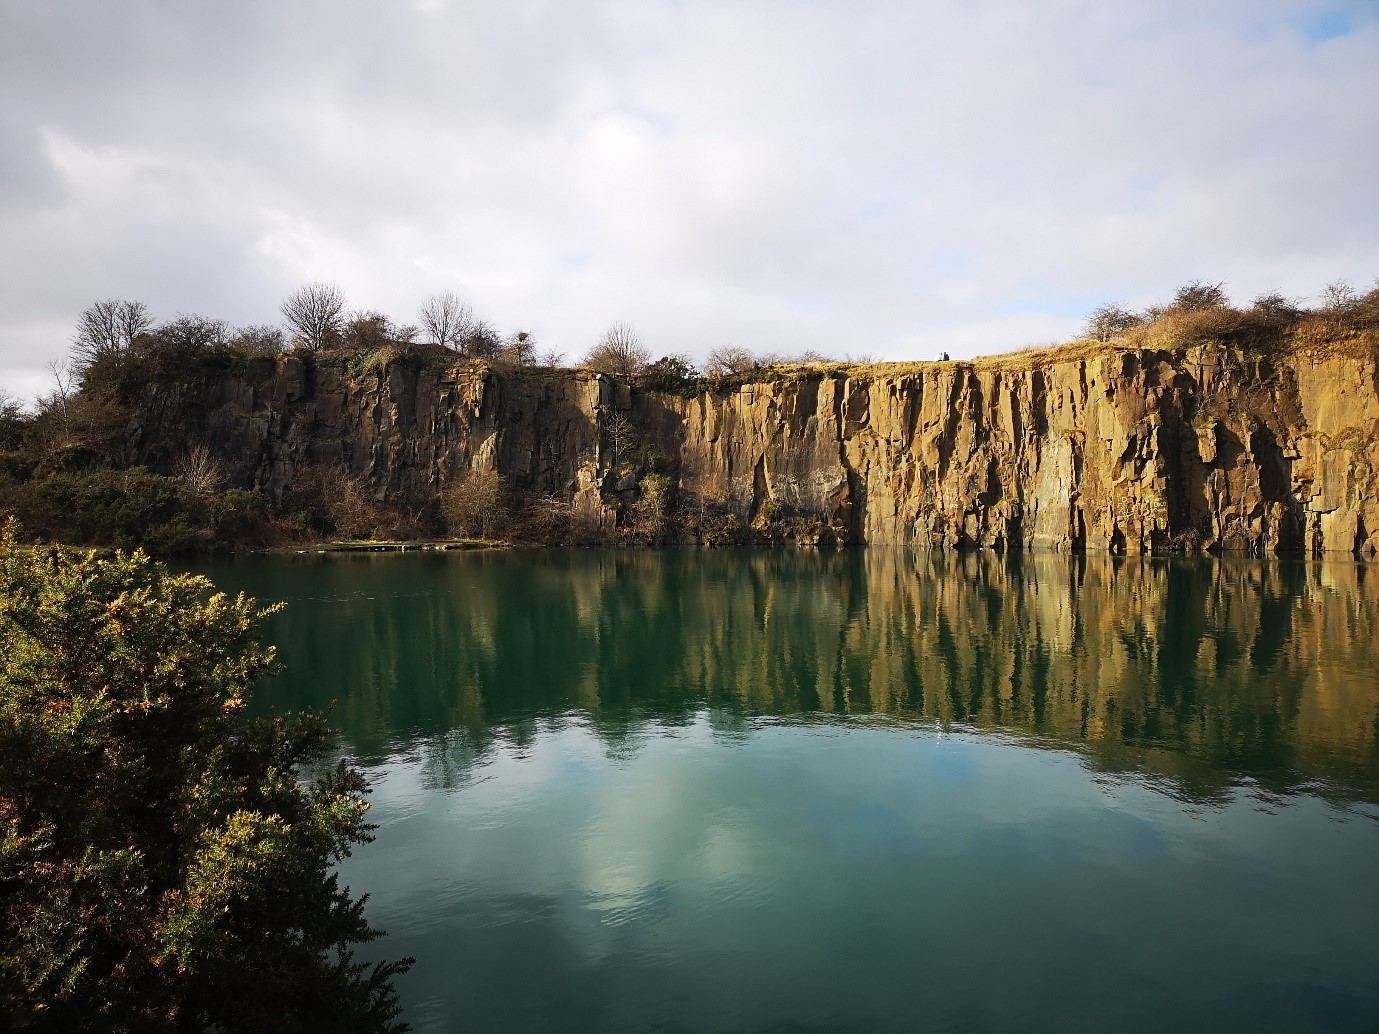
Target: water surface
{"x": 871, "y": 790}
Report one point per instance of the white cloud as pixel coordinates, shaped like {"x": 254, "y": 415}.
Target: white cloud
{"x": 893, "y": 178}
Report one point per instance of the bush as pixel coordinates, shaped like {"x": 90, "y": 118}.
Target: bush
{"x": 1196, "y": 295}
{"x": 129, "y": 508}
{"x": 474, "y": 505}
{"x": 164, "y": 866}
{"x": 1111, "y": 321}
{"x": 120, "y": 508}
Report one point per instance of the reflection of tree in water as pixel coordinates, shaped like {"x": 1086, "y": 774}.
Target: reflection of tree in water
{"x": 1201, "y": 671}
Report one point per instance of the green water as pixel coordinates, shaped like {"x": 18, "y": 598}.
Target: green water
{"x": 871, "y": 790}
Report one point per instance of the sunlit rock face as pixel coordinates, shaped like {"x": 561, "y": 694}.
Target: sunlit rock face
{"x": 1116, "y": 450}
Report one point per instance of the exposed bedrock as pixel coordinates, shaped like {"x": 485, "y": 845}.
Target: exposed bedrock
{"x": 1126, "y": 451}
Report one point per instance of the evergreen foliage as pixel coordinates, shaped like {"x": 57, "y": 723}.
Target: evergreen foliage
{"x": 163, "y": 866}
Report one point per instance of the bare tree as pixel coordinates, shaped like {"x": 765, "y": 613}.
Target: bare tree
{"x": 621, "y": 435}
{"x": 133, "y": 319}
{"x": 1111, "y": 320}
{"x": 199, "y": 470}
{"x": 519, "y": 349}
{"x": 728, "y": 360}
{"x": 651, "y": 511}
{"x": 59, "y": 401}
{"x": 12, "y": 421}
{"x": 1338, "y": 298}
{"x": 619, "y": 352}
{"x": 473, "y": 505}
{"x": 446, "y": 319}
{"x": 258, "y": 339}
{"x": 315, "y": 314}
{"x": 188, "y": 335}
{"x": 108, "y": 328}
{"x": 481, "y": 340}
{"x": 1275, "y": 306}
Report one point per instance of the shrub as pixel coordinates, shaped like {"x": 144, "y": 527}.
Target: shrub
{"x": 164, "y": 865}
{"x": 651, "y": 511}
{"x": 1111, "y": 321}
{"x": 1196, "y": 295}
{"x": 474, "y": 504}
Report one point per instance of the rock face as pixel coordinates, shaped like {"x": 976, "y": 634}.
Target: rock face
{"x": 1105, "y": 450}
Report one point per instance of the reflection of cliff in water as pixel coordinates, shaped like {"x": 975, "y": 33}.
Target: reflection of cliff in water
{"x": 1203, "y": 671}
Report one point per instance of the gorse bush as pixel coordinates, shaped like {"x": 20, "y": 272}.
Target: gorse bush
{"x": 164, "y": 865}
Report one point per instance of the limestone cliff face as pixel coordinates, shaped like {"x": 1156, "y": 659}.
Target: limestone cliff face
{"x": 1126, "y": 451}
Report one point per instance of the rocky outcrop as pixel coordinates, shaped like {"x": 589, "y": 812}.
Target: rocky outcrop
{"x": 1099, "y": 449}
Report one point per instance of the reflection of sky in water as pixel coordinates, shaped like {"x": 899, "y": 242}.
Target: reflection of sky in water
{"x": 858, "y": 792}
{"x": 737, "y": 875}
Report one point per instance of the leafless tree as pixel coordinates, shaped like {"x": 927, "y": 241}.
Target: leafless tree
{"x": 549, "y": 517}
{"x": 473, "y": 505}
{"x": 621, "y": 435}
{"x": 728, "y": 360}
{"x": 1275, "y": 306}
{"x": 446, "y": 319}
{"x": 1338, "y": 298}
{"x": 107, "y": 328}
{"x": 59, "y": 401}
{"x": 12, "y": 421}
{"x": 1109, "y": 321}
{"x": 481, "y": 340}
{"x": 651, "y": 511}
{"x": 519, "y": 349}
{"x": 315, "y": 313}
{"x": 258, "y": 339}
{"x": 188, "y": 334}
{"x": 619, "y": 352}
{"x": 199, "y": 471}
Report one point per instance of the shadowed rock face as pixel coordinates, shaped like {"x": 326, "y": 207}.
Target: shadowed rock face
{"x": 1120, "y": 451}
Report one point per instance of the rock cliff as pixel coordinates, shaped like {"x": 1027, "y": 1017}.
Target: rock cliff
{"x": 1101, "y": 449}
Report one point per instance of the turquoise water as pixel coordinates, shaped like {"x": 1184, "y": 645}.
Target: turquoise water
{"x": 871, "y": 790}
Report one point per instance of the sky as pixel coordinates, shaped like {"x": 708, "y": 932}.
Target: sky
{"x": 860, "y": 178}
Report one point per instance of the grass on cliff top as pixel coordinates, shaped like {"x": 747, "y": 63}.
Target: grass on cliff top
{"x": 1312, "y": 338}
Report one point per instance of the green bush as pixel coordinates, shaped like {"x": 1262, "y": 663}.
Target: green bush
{"x": 129, "y": 508}
{"x": 163, "y": 866}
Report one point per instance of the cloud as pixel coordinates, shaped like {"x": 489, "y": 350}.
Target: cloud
{"x": 893, "y": 178}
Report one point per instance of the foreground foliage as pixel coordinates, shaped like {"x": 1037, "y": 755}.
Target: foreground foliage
{"x": 162, "y": 866}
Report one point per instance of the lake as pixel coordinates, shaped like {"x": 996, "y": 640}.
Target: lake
{"x": 864, "y": 790}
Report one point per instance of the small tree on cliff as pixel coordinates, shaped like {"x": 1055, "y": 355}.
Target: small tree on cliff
{"x": 315, "y": 313}
{"x": 163, "y": 866}
{"x": 619, "y": 352}
{"x": 108, "y": 328}
{"x": 1111, "y": 321}
{"x": 446, "y": 319}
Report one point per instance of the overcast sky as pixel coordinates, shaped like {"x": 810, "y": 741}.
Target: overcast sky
{"x": 853, "y": 177}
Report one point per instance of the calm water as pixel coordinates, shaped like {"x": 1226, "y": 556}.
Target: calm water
{"x": 872, "y": 790}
